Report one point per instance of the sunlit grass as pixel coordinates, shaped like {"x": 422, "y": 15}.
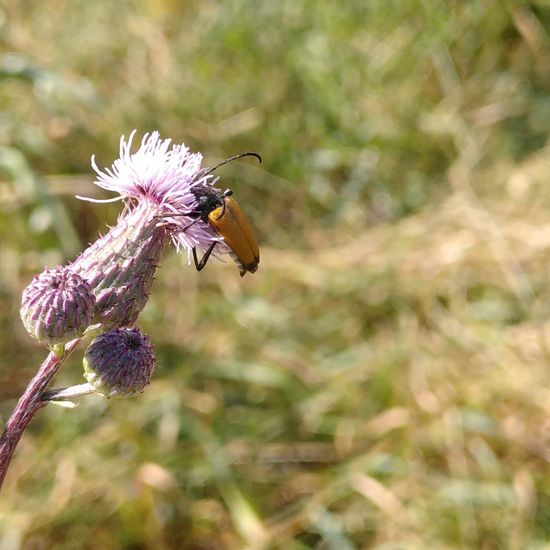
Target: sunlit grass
{"x": 382, "y": 381}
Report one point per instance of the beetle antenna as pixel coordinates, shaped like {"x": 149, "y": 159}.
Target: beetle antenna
{"x": 230, "y": 159}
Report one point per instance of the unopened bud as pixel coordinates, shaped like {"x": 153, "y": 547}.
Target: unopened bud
{"x": 57, "y": 306}
{"x": 119, "y": 362}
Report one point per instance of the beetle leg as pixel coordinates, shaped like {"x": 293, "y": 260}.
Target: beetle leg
{"x": 190, "y": 225}
{"x": 204, "y": 259}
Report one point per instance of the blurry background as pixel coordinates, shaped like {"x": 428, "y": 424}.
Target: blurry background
{"x": 382, "y": 381}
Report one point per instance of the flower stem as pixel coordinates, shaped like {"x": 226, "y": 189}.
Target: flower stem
{"x": 29, "y": 403}
{"x": 68, "y": 394}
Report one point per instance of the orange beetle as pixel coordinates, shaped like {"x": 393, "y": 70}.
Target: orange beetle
{"x": 223, "y": 213}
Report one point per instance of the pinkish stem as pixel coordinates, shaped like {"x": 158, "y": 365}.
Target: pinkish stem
{"x": 28, "y": 404}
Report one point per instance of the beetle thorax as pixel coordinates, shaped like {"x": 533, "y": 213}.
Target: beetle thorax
{"x": 208, "y": 200}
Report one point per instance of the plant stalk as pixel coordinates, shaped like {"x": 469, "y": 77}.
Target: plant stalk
{"x": 29, "y": 404}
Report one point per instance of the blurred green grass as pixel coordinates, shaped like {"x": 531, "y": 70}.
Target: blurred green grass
{"x": 382, "y": 381}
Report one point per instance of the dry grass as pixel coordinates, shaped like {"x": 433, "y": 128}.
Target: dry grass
{"x": 382, "y": 382}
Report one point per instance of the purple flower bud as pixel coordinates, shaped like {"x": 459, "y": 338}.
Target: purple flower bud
{"x": 121, "y": 265}
{"x": 120, "y": 362}
{"x": 57, "y": 306}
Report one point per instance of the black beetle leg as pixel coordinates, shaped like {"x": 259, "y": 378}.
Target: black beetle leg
{"x": 190, "y": 225}
{"x": 204, "y": 259}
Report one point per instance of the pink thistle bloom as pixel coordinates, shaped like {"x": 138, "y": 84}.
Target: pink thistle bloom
{"x": 162, "y": 175}
{"x": 167, "y": 195}
{"x": 156, "y": 185}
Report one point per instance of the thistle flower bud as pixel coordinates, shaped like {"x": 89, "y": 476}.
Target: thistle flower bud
{"x": 121, "y": 265}
{"x": 120, "y": 362}
{"x": 57, "y": 306}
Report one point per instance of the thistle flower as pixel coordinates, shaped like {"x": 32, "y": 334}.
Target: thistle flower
{"x": 167, "y": 195}
{"x": 57, "y": 306}
{"x": 156, "y": 184}
{"x": 120, "y": 362}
